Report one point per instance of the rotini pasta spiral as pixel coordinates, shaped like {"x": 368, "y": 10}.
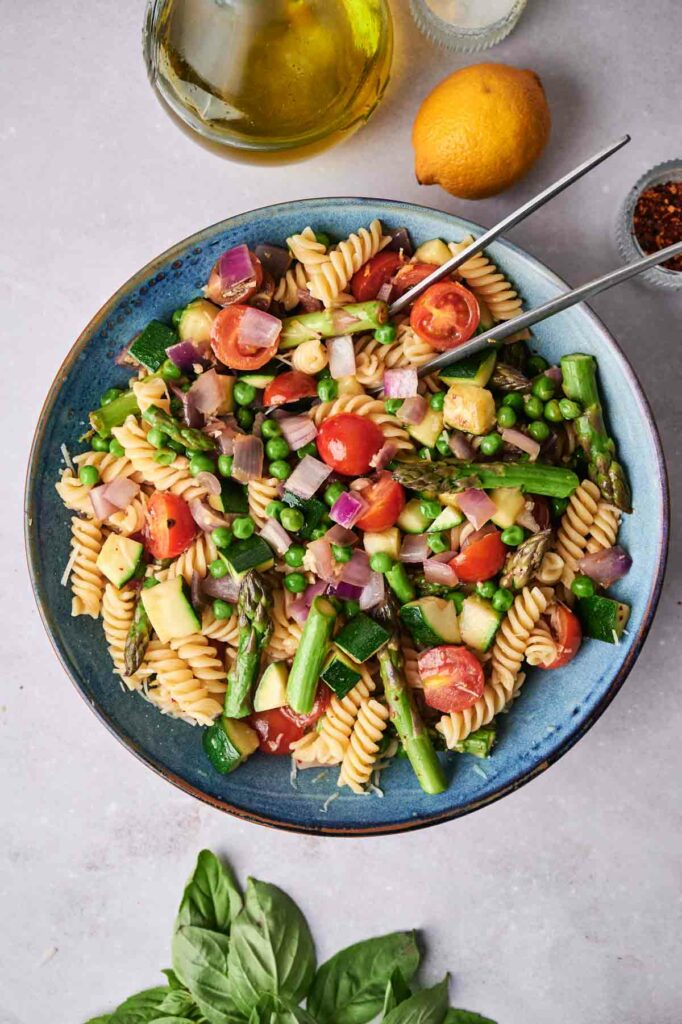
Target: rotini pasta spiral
{"x": 337, "y": 725}
{"x": 541, "y": 648}
{"x": 288, "y": 287}
{"x": 132, "y": 519}
{"x": 118, "y": 607}
{"x": 604, "y": 530}
{"x": 372, "y": 359}
{"x": 456, "y": 726}
{"x": 197, "y": 558}
{"x": 203, "y": 660}
{"x": 411, "y": 660}
{"x": 160, "y": 696}
{"x": 191, "y": 696}
{"x": 575, "y": 527}
{"x": 176, "y": 477}
{"x": 486, "y": 281}
{"x": 364, "y": 405}
{"x": 362, "y": 750}
{"x": 224, "y": 630}
{"x": 510, "y": 643}
{"x": 305, "y": 248}
{"x": 416, "y": 351}
{"x": 311, "y": 749}
{"x": 75, "y": 494}
{"x": 551, "y": 569}
{"x": 151, "y": 391}
{"x": 260, "y": 493}
{"x": 87, "y": 582}
{"x": 310, "y": 357}
{"x": 286, "y": 634}
{"x": 332, "y": 274}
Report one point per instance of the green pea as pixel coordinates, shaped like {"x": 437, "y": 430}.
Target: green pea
{"x": 307, "y": 449}
{"x": 514, "y": 401}
{"x": 553, "y": 412}
{"x": 536, "y": 364}
{"x": 225, "y": 464}
{"x": 185, "y": 386}
{"x": 274, "y": 509}
{"x": 243, "y": 527}
{"x": 333, "y": 492}
{"x": 88, "y": 475}
{"x": 506, "y": 416}
{"x": 157, "y": 437}
{"x": 243, "y": 393}
{"x": 244, "y": 417}
{"x": 327, "y": 389}
{"x": 177, "y": 317}
{"x": 385, "y": 334}
{"x": 323, "y": 238}
{"x": 177, "y": 446}
{"x": 543, "y": 388}
{"x": 295, "y": 582}
{"x": 351, "y": 609}
{"x": 165, "y": 457}
{"x": 99, "y": 444}
{"x": 491, "y": 444}
{"x": 534, "y": 408}
{"x": 270, "y": 428}
{"x": 569, "y": 410}
{"x": 201, "y": 464}
{"x": 277, "y": 448}
{"x": 583, "y": 586}
{"x": 217, "y": 569}
{"x": 437, "y": 543}
{"x": 169, "y": 371}
{"x": 443, "y": 445}
{"x": 512, "y": 536}
{"x": 486, "y": 589}
{"x": 150, "y": 582}
{"x": 430, "y": 508}
{"x": 110, "y": 395}
{"x": 392, "y": 405}
{"x": 437, "y": 400}
{"x": 294, "y": 555}
{"x": 292, "y": 519}
{"x": 116, "y": 448}
{"x": 539, "y": 430}
{"x": 424, "y": 454}
{"x": 222, "y": 537}
{"x": 559, "y": 506}
{"x": 221, "y": 609}
{"x": 318, "y": 532}
{"x": 503, "y": 599}
{"x": 342, "y": 554}
{"x": 279, "y": 469}
{"x": 380, "y": 562}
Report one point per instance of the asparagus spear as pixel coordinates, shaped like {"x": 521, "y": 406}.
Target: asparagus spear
{"x": 523, "y": 563}
{"x": 580, "y": 384}
{"x": 310, "y": 656}
{"x": 509, "y": 378}
{"x": 358, "y": 316}
{"x": 137, "y": 640}
{"x": 478, "y": 743}
{"x": 255, "y": 628}
{"x": 455, "y": 475}
{"x": 400, "y": 583}
{"x": 404, "y": 714}
{"x": 191, "y": 438}
{"x": 115, "y": 413}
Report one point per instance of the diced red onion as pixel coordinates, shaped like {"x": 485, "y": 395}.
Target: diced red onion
{"x": 313, "y": 590}
{"x": 415, "y": 548}
{"x": 341, "y": 357}
{"x": 101, "y": 506}
{"x": 276, "y": 536}
{"x": 297, "y": 430}
{"x": 440, "y": 572}
{"x": 401, "y": 383}
{"x": 186, "y": 355}
{"x": 234, "y": 265}
{"x": 526, "y": 519}
{"x": 226, "y": 588}
{"x": 346, "y": 591}
{"x": 258, "y": 329}
{"x": 224, "y": 433}
{"x": 555, "y": 374}
{"x": 307, "y": 302}
{"x": 520, "y": 440}
{"x": 356, "y": 570}
{"x": 274, "y": 259}
{"x": 443, "y": 556}
{"x": 210, "y": 391}
{"x": 308, "y": 477}
{"x": 210, "y": 481}
{"x": 606, "y": 566}
{"x": 400, "y": 241}
{"x": 413, "y": 410}
{"x": 466, "y": 532}
{"x": 121, "y": 491}
{"x": 340, "y": 535}
{"x": 460, "y": 446}
{"x": 374, "y": 593}
{"x": 190, "y": 414}
{"x": 456, "y": 535}
{"x": 472, "y": 535}
{"x": 205, "y": 518}
{"x": 321, "y": 552}
{"x": 299, "y": 607}
{"x": 476, "y": 506}
{"x": 385, "y": 293}
{"x": 348, "y": 508}
{"x": 384, "y": 456}
{"x": 299, "y": 611}
{"x": 248, "y": 458}
{"x": 341, "y": 320}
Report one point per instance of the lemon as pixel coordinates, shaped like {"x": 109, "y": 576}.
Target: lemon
{"x": 480, "y": 130}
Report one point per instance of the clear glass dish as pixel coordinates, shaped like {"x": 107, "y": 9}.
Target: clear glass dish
{"x": 467, "y": 25}
{"x": 628, "y": 245}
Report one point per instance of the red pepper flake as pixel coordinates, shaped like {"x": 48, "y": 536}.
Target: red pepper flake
{"x": 657, "y": 220}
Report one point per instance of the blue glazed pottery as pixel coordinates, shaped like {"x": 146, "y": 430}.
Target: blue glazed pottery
{"x": 554, "y": 709}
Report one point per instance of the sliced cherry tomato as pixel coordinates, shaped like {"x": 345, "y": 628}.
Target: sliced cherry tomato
{"x": 217, "y": 292}
{"x": 366, "y": 283}
{"x": 409, "y": 275}
{"x": 452, "y": 676}
{"x": 446, "y": 315}
{"x": 386, "y": 499}
{"x": 349, "y": 442}
{"x": 277, "y": 729}
{"x": 226, "y": 346}
{"x": 169, "y": 527}
{"x": 481, "y": 559}
{"x": 566, "y": 630}
{"x": 289, "y": 387}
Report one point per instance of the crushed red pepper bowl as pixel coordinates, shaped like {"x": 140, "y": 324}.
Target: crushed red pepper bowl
{"x": 629, "y": 247}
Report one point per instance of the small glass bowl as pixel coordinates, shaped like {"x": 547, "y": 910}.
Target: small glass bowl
{"x": 461, "y": 37}
{"x": 628, "y": 245}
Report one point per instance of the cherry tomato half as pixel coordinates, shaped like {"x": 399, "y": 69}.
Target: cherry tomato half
{"x": 566, "y": 630}
{"x": 365, "y": 284}
{"x": 481, "y": 559}
{"x": 445, "y": 316}
{"x": 349, "y": 442}
{"x": 409, "y": 275}
{"x": 452, "y": 676}
{"x": 277, "y": 729}
{"x": 226, "y": 346}
{"x": 386, "y": 499}
{"x": 223, "y": 295}
{"x": 289, "y": 387}
{"x": 169, "y": 526}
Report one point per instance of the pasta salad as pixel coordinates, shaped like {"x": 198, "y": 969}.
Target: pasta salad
{"x": 299, "y": 543}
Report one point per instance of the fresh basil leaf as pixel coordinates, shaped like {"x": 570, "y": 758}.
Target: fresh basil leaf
{"x": 397, "y": 991}
{"x": 106, "y": 1019}
{"x": 271, "y": 949}
{"x": 179, "y": 1003}
{"x": 140, "y": 1008}
{"x": 350, "y": 987}
{"x": 466, "y": 1017}
{"x": 428, "y": 1006}
{"x": 273, "y": 1010}
{"x": 173, "y": 980}
{"x": 172, "y": 1020}
{"x": 200, "y": 961}
{"x": 211, "y": 898}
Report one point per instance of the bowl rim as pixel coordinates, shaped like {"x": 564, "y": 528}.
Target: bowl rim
{"x": 352, "y": 831}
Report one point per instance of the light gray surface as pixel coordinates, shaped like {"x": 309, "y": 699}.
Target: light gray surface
{"x": 560, "y": 903}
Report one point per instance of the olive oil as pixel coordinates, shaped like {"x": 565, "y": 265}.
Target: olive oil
{"x": 270, "y": 76}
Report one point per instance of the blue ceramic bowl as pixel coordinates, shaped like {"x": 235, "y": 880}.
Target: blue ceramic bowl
{"x": 555, "y": 709}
